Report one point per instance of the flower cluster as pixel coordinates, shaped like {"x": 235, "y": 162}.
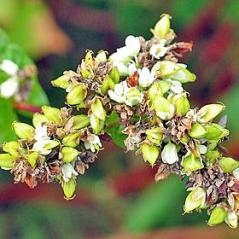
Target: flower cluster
{"x": 142, "y": 82}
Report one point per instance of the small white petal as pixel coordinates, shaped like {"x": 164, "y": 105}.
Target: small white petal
{"x": 232, "y": 219}
{"x": 41, "y": 133}
{"x": 133, "y": 45}
{"x": 39, "y": 146}
{"x": 9, "y": 87}
{"x": 202, "y": 149}
{"x": 9, "y": 67}
{"x": 93, "y": 144}
{"x": 132, "y": 68}
{"x": 176, "y": 86}
{"x": 145, "y": 77}
{"x": 158, "y": 50}
{"x": 235, "y": 173}
{"x": 169, "y": 154}
{"x": 68, "y": 172}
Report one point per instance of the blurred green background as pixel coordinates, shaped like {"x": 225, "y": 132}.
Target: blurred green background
{"x": 117, "y": 198}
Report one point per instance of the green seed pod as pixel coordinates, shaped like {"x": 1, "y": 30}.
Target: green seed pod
{"x": 6, "y": 161}
{"x": 191, "y": 163}
{"x": 228, "y": 164}
{"x": 115, "y": 75}
{"x": 150, "y": 153}
{"x": 165, "y": 69}
{"x": 97, "y": 109}
{"x": 69, "y": 154}
{"x": 39, "y": 119}
{"x": 181, "y": 104}
{"x": 72, "y": 140}
{"x": 195, "y": 200}
{"x": 209, "y": 112}
{"x": 154, "y": 135}
{"x": 11, "y": 148}
{"x": 162, "y": 27}
{"x": 52, "y": 114}
{"x": 76, "y": 95}
{"x": 107, "y": 84}
{"x": 217, "y": 216}
{"x": 215, "y": 132}
{"x": 80, "y": 121}
{"x": 69, "y": 188}
{"x": 97, "y": 125}
{"x": 62, "y": 82}
{"x": 184, "y": 76}
{"x": 212, "y": 155}
{"x": 197, "y": 131}
{"x": 32, "y": 158}
{"x": 24, "y": 131}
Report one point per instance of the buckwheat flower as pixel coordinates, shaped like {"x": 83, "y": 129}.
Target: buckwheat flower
{"x": 169, "y": 154}
{"x": 93, "y": 143}
{"x": 133, "y": 97}
{"x": 231, "y": 219}
{"x": 68, "y": 172}
{"x": 158, "y": 50}
{"x": 41, "y": 133}
{"x": 119, "y": 92}
{"x": 146, "y": 78}
{"x": 176, "y": 86}
{"x": 11, "y": 86}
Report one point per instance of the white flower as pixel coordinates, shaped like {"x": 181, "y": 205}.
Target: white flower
{"x": 119, "y": 92}
{"x": 169, "y": 154}
{"x": 9, "y": 87}
{"x": 9, "y": 67}
{"x": 231, "y": 219}
{"x": 123, "y": 55}
{"x": 158, "y": 50}
{"x": 68, "y": 172}
{"x": 176, "y": 86}
{"x": 93, "y": 143}
{"x": 146, "y": 78}
{"x": 41, "y": 133}
{"x": 133, "y": 97}
{"x": 202, "y": 149}
{"x": 131, "y": 68}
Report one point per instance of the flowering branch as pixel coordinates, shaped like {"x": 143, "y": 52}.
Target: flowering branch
{"x": 140, "y": 87}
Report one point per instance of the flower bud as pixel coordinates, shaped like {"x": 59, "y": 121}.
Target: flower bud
{"x": 69, "y": 154}
{"x": 80, "y": 121}
{"x": 97, "y": 125}
{"x": 169, "y": 154}
{"x": 215, "y": 132}
{"x": 62, "y": 82}
{"x": 98, "y": 109}
{"x": 93, "y": 143}
{"x": 32, "y": 158}
{"x": 69, "y": 188}
{"x": 24, "y": 131}
{"x": 209, "y": 112}
{"x": 101, "y": 57}
{"x": 231, "y": 219}
{"x": 72, "y": 140}
{"x": 115, "y": 75}
{"x": 11, "y": 148}
{"x": 164, "y": 109}
{"x": 228, "y": 164}
{"x": 197, "y": 131}
{"x": 6, "y": 161}
{"x": 76, "y": 95}
{"x": 191, "y": 163}
{"x": 52, "y": 114}
{"x": 162, "y": 27}
{"x": 184, "y": 76}
{"x": 150, "y": 153}
{"x": 195, "y": 199}
{"x": 181, "y": 104}
{"x": 39, "y": 119}
{"x": 107, "y": 84}
{"x": 133, "y": 97}
{"x": 154, "y": 135}
{"x": 217, "y": 216}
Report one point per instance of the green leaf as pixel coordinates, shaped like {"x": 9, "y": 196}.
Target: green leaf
{"x": 7, "y": 116}
{"x": 114, "y": 129}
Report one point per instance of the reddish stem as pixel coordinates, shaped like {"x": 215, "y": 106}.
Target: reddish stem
{"x": 26, "y": 107}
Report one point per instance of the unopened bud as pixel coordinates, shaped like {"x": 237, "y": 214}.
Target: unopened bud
{"x": 215, "y": 132}
{"x": 101, "y": 57}
{"x": 80, "y": 121}
{"x": 24, "y": 131}
{"x": 183, "y": 75}
{"x": 133, "y": 97}
{"x": 181, "y": 104}
{"x": 76, "y": 95}
{"x": 150, "y": 153}
{"x": 195, "y": 199}
{"x": 217, "y": 216}
{"x": 162, "y": 27}
{"x": 169, "y": 154}
{"x": 231, "y": 219}
{"x": 165, "y": 69}
{"x": 209, "y": 112}
{"x": 11, "y": 148}
{"x": 97, "y": 125}
{"x": 69, "y": 154}
{"x": 228, "y": 164}
{"x": 52, "y": 114}
{"x": 115, "y": 75}
{"x": 62, "y": 82}
{"x": 107, "y": 84}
